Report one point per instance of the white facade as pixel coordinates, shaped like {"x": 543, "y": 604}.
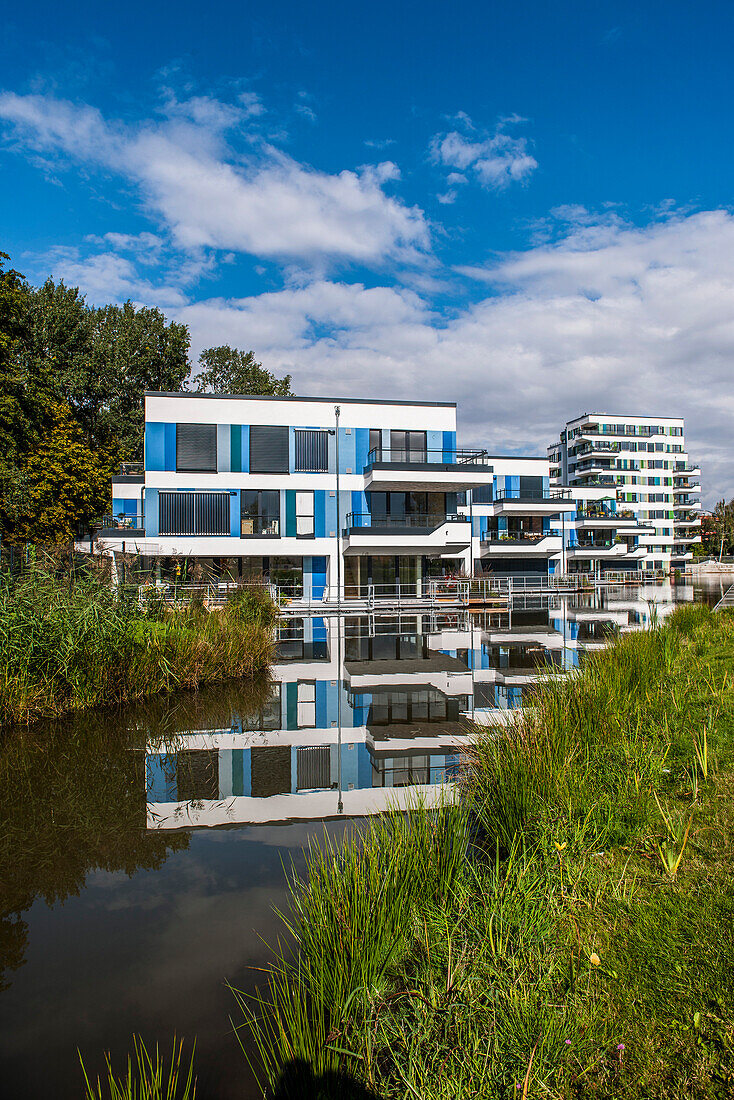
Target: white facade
{"x": 639, "y": 463}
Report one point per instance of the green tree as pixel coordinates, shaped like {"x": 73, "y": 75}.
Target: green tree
{"x": 134, "y": 350}
{"x": 229, "y": 370}
{"x": 64, "y": 483}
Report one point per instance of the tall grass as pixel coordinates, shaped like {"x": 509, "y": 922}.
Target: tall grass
{"x": 581, "y": 946}
{"x": 69, "y": 642}
{"x": 351, "y": 918}
{"x": 147, "y": 1076}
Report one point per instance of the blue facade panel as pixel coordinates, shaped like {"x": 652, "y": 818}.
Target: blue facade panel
{"x": 151, "y": 511}
{"x": 160, "y": 778}
{"x": 155, "y": 447}
{"x": 347, "y": 456}
{"x": 322, "y": 705}
{"x": 318, "y": 584}
{"x": 434, "y": 443}
{"x": 234, "y": 514}
{"x": 170, "y": 446}
{"x": 449, "y": 446}
{"x": 319, "y": 513}
{"x": 361, "y": 448}
{"x": 245, "y": 454}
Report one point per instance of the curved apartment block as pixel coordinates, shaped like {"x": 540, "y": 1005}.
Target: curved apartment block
{"x": 638, "y": 469}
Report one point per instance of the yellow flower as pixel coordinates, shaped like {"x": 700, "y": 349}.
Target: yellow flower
{"x": 594, "y": 959}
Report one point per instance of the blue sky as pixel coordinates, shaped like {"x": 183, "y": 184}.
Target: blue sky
{"x": 525, "y": 208}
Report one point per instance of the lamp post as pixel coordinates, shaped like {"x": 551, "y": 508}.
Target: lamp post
{"x": 339, "y": 682}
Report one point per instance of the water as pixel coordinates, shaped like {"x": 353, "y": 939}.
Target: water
{"x": 142, "y": 849}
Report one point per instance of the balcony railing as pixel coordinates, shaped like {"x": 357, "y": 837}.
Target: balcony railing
{"x": 449, "y": 456}
{"x": 605, "y": 513}
{"x": 597, "y": 544}
{"x": 424, "y": 520}
{"x": 532, "y": 496}
{"x": 131, "y": 469}
{"x": 122, "y": 522}
{"x": 529, "y": 537}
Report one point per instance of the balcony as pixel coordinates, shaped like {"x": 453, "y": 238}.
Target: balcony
{"x": 119, "y": 526}
{"x": 443, "y": 471}
{"x": 687, "y": 471}
{"x": 529, "y": 502}
{"x": 521, "y": 545}
{"x": 413, "y": 533}
{"x": 685, "y": 505}
{"x": 687, "y": 487}
{"x": 599, "y": 548}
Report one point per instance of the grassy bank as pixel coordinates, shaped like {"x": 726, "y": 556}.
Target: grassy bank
{"x": 68, "y": 642}
{"x": 582, "y": 945}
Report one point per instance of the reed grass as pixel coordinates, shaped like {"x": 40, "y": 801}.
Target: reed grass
{"x": 147, "y": 1076}
{"x": 68, "y": 642}
{"x": 582, "y": 945}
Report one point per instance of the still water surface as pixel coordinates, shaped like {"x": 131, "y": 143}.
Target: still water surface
{"x": 142, "y": 850}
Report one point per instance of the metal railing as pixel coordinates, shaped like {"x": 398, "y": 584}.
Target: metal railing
{"x": 532, "y": 495}
{"x": 424, "y": 520}
{"x": 448, "y": 456}
{"x": 122, "y": 522}
{"x": 518, "y": 537}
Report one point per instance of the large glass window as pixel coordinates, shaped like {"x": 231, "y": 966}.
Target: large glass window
{"x": 411, "y": 509}
{"x": 261, "y": 512}
{"x": 407, "y": 446}
{"x": 304, "y": 515}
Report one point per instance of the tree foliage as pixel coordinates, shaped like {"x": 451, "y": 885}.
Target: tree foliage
{"x": 72, "y": 381}
{"x": 229, "y": 370}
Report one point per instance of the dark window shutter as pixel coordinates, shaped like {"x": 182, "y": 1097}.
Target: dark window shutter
{"x": 314, "y": 768}
{"x": 193, "y": 513}
{"x": 531, "y": 486}
{"x": 312, "y": 451}
{"x": 196, "y": 448}
{"x": 268, "y": 449}
{"x": 483, "y": 494}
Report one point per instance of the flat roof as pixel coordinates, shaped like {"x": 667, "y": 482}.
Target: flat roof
{"x": 295, "y": 397}
{"x": 625, "y": 416}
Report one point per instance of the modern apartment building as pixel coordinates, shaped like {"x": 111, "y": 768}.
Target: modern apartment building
{"x": 642, "y": 489}
{"x": 247, "y": 486}
{"x": 239, "y": 487}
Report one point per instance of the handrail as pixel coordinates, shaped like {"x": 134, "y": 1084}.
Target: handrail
{"x": 128, "y": 469}
{"x": 531, "y": 495}
{"x": 410, "y": 519}
{"x": 449, "y": 456}
{"x": 122, "y": 521}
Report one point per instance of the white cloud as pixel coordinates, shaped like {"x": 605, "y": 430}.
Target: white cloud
{"x": 209, "y": 195}
{"x": 496, "y": 160}
{"x": 624, "y": 319}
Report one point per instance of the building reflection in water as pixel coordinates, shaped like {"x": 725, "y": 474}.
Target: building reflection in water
{"x": 410, "y": 688}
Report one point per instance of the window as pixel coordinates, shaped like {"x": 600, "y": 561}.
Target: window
{"x": 306, "y": 704}
{"x": 407, "y": 446}
{"x": 260, "y": 513}
{"x": 304, "y": 515}
{"x": 375, "y": 444}
{"x": 196, "y": 448}
{"x": 312, "y": 451}
{"x": 268, "y": 449}
{"x": 193, "y": 513}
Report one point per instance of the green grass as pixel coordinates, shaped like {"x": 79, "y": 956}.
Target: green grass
{"x": 72, "y": 641}
{"x": 146, "y": 1077}
{"x": 582, "y": 945}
